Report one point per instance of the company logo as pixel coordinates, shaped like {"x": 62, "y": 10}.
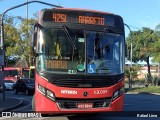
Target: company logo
{"x": 68, "y": 92}
{"x": 85, "y": 94}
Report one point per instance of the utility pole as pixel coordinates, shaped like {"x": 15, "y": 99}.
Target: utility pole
{"x": 27, "y": 19}
{"x": 27, "y": 10}
{"x": 28, "y": 65}
{"x": 2, "y": 60}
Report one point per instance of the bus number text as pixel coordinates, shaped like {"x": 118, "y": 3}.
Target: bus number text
{"x": 59, "y": 17}
{"x": 100, "y": 92}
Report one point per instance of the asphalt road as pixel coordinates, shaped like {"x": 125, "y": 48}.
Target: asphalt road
{"x": 134, "y": 105}
{"x": 26, "y": 105}
{"x": 142, "y": 102}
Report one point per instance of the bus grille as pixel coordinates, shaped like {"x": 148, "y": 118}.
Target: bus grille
{"x": 88, "y": 83}
{"x": 82, "y": 81}
{"x": 72, "y": 104}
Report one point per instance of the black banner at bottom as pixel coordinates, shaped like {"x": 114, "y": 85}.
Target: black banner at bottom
{"x": 137, "y": 114}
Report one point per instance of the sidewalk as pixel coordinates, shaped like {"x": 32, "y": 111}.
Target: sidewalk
{"x": 9, "y": 103}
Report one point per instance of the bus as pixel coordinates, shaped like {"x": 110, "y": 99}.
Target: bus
{"x": 11, "y": 73}
{"x": 80, "y": 59}
{"x": 27, "y": 72}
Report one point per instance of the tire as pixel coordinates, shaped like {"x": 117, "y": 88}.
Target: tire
{"x": 15, "y": 91}
{"x": 33, "y": 103}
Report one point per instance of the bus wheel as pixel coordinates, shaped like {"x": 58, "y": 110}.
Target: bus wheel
{"x": 15, "y": 91}
{"x": 33, "y": 103}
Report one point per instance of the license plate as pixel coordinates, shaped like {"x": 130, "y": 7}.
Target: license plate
{"x": 84, "y": 105}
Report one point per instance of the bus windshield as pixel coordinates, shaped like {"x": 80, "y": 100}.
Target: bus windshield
{"x": 11, "y": 73}
{"x": 94, "y": 52}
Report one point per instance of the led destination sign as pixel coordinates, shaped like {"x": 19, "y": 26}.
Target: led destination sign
{"x": 57, "y": 17}
{"x": 91, "y": 20}
{"x": 80, "y": 17}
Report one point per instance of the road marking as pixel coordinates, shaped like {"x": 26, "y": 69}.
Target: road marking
{"x": 24, "y": 106}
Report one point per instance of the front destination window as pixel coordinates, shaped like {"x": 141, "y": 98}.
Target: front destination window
{"x": 68, "y": 51}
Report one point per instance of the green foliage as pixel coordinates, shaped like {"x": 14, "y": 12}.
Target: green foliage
{"x": 139, "y": 82}
{"x": 17, "y": 41}
{"x": 156, "y": 80}
{"x": 150, "y": 89}
{"x": 149, "y": 79}
{"x": 156, "y": 54}
{"x": 132, "y": 71}
{"x": 152, "y": 80}
{"x": 26, "y": 50}
{"x": 143, "y": 43}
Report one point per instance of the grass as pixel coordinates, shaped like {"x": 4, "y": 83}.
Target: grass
{"x": 150, "y": 89}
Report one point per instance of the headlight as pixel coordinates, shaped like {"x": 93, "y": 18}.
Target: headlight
{"x": 41, "y": 89}
{"x": 118, "y": 92}
{"x": 46, "y": 92}
{"x": 50, "y": 95}
{"x": 115, "y": 95}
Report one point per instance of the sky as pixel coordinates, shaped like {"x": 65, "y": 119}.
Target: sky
{"x": 136, "y": 13}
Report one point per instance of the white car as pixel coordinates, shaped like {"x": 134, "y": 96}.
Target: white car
{"x": 9, "y": 84}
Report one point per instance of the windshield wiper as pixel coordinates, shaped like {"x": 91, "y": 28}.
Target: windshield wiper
{"x": 102, "y": 36}
{"x": 68, "y": 36}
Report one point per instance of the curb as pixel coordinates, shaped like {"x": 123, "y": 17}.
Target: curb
{"x": 131, "y": 92}
{"x": 12, "y": 107}
{"x": 142, "y": 93}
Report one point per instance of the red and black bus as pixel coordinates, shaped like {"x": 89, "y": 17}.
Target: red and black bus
{"x": 27, "y": 72}
{"x": 80, "y": 59}
{"x": 11, "y": 73}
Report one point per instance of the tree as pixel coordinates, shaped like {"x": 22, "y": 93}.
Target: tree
{"x": 134, "y": 72}
{"x": 25, "y": 50}
{"x": 143, "y": 42}
{"x": 17, "y": 40}
{"x": 156, "y": 55}
{"x": 11, "y": 36}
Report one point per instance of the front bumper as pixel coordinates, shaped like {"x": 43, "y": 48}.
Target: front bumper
{"x": 45, "y": 105}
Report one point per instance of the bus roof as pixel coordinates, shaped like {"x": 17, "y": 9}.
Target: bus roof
{"x": 80, "y": 9}
{"x": 11, "y": 68}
